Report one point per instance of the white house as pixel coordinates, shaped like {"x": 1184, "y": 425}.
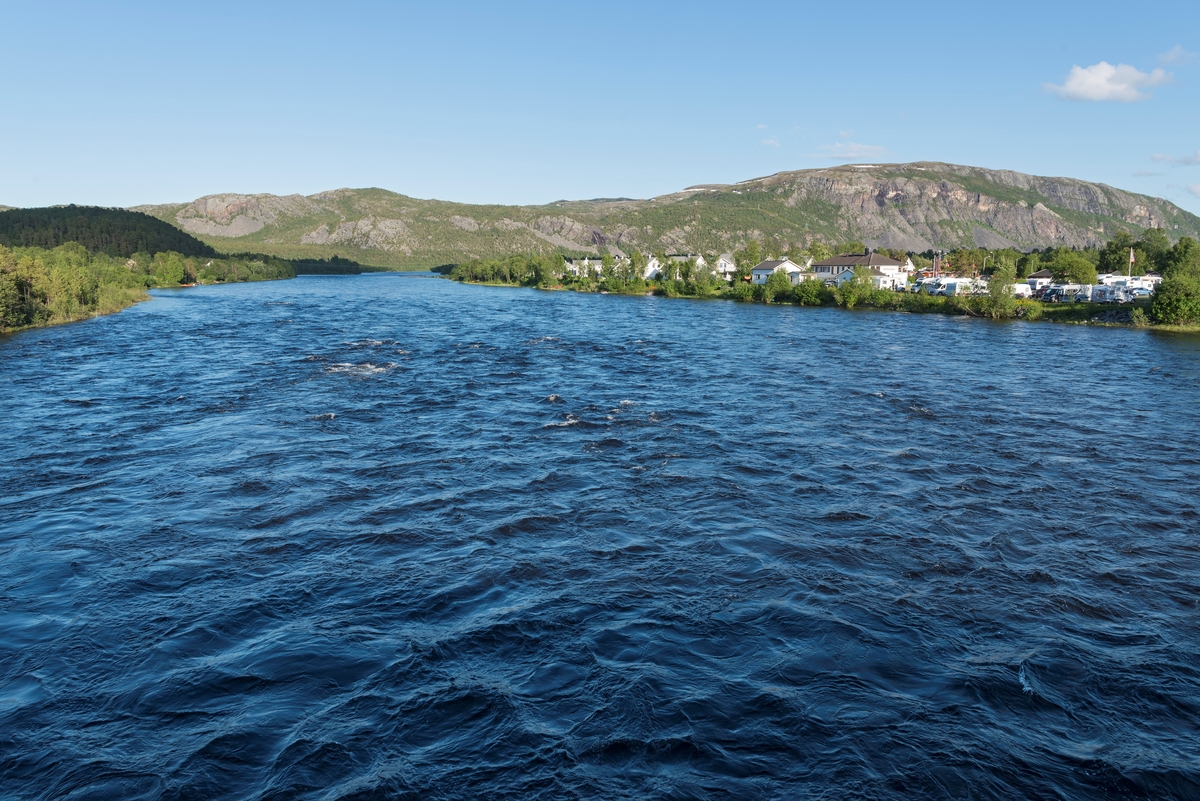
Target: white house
{"x": 877, "y": 278}
{"x": 652, "y": 269}
{"x": 587, "y": 267}
{"x": 763, "y": 270}
{"x": 726, "y": 266}
{"x": 885, "y": 271}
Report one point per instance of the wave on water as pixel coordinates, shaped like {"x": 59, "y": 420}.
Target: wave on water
{"x": 559, "y": 545}
{"x": 361, "y": 369}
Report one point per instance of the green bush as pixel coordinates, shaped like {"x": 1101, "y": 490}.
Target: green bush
{"x": 811, "y": 292}
{"x": 740, "y": 291}
{"x": 1177, "y": 301}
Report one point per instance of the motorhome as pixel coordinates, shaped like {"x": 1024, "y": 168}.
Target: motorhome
{"x": 1060, "y": 293}
{"x": 957, "y": 286}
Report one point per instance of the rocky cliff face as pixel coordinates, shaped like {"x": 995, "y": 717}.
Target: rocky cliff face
{"x": 912, "y": 206}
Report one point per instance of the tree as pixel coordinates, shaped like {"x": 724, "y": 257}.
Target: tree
{"x": 811, "y": 292}
{"x": 636, "y": 266}
{"x": 1072, "y": 268}
{"x": 1114, "y": 256}
{"x": 1184, "y": 258}
{"x": 820, "y": 251}
{"x": 1177, "y": 300}
{"x": 1001, "y": 301}
{"x": 1156, "y": 246}
{"x": 778, "y": 285}
{"x": 168, "y": 269}
{"x": 746, "y": 260}
{"x": 1029, "y": 264}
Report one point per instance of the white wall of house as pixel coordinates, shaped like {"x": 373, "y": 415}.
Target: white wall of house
{"x": 726, "y": 267}
{"x": 760, "y": 274}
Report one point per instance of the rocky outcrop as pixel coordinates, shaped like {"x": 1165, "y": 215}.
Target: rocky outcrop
{"x": 233, "y": 216}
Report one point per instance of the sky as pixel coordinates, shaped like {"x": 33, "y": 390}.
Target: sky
{"x": 124, "y": 103}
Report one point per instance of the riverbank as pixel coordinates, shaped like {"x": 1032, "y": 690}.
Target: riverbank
{"x": 984, "y": 306}
{"x": 42, "y": 287}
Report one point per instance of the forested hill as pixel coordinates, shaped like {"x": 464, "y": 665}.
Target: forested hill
{"x": 113, "y": 232}
{"x": 906, "y": 206}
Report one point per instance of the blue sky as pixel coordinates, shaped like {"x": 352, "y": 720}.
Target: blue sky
{"x": 126, "y": 103}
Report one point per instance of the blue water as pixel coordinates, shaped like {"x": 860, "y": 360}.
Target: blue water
{"x": 389, "y": 536}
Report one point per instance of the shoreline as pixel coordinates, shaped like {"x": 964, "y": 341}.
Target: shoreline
{"x": 134, "y": 300}
{"x": 1046, "y": 312}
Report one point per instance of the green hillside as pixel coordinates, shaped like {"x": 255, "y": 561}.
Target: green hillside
{"x": 914, "y": 207}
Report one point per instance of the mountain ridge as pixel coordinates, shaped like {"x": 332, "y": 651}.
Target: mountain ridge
{"x": 915, "y": 206}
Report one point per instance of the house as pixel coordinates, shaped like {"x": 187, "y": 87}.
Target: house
{"x": 763, "y": 270}
{"x": 678, "y": 260}
{"x": 653, "y": 267}
{"x": 584, "y": 268}
{"x": 829, "y": 270}
{"x": 726, "y": 267}
{"x": 875, "y": 276}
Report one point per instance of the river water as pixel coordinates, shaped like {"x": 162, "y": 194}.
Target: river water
{"x": 389, "y": 536}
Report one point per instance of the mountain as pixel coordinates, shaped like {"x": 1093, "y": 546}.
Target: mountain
{"x": 115, "y": 232}
{"x": 911, "y": 206}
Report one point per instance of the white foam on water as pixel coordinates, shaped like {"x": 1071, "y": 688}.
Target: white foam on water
{"x": 1025, "y": 685}
{"x": 363, "y": 369}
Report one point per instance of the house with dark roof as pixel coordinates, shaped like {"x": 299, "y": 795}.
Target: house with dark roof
{"x": 764, "y": 269}
{"x": 884, "y": 272}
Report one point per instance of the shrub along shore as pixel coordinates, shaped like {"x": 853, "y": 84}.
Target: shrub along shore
{"x": 1175, "y": 305}
{"x": 40, "y": 287}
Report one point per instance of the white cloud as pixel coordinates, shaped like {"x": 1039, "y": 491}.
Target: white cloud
{"x": 1103, "y": 81}
{"x": 1183, "y": 161}
{"x": 761, "y": 127}
{"x": 1195, "y": 189}
{"x": 845, "y": 134}
{"x": 772, "y": 142}
{"x": 850, "y": 151}
{"x": 1177, "y": 55}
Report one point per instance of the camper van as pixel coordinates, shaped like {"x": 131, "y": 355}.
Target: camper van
{"x": 1060, "y": 293}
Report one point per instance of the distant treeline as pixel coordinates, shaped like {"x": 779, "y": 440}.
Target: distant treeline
{"x": 1177, "y": 301}
{"x": 113, "y": 232}
{"x": 45, "y": 287}
{"x": 334, "y": 265}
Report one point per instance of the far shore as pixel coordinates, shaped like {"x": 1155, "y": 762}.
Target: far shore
{"x": 1091, "y": 314}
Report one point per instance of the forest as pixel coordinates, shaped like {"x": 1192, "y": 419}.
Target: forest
{"x": 114, "y": 232}
{"x": 41, "y": 286}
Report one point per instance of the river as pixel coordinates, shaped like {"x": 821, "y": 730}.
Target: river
{"x": 391, "y": 536}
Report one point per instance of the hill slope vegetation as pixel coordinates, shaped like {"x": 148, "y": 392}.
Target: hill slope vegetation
{"x": 909, "y": 206}
{"x": 113, "y": 232}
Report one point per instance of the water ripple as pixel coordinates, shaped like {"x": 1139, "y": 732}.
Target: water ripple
{"x": 439, "y": 541}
